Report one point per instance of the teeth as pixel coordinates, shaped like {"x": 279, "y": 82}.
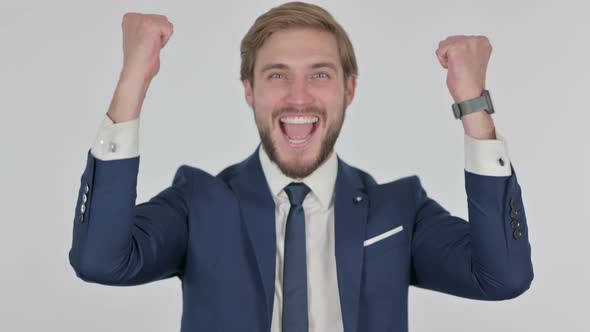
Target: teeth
{"x": 298, "y": 141}
{"x": 299, "y": 119}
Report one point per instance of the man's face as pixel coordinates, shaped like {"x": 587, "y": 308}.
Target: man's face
{"x": 299, "y": 98}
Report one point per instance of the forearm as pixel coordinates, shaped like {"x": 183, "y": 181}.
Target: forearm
{"x": 479, "y": 125}
{"x": 500, "y": 250}
{"x": 102, "y": 240}
{"x": 128, "y": 98}
{"x": 121, "y": 243}
{"x": 480, "y": 259}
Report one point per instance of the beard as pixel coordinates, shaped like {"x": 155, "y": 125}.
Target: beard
{"x": 297, "y": 169}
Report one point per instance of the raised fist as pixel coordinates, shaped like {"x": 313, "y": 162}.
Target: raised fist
{"x": 466, "y": 60}
{"x": 144, "y": 35}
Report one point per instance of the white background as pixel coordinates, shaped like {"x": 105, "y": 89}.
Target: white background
{"x": 59, "y": 64}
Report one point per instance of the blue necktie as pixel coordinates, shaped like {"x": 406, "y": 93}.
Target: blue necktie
{"x": 294, "y": 268}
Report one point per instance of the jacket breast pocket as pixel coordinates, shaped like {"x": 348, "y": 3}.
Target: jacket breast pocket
{"x": 381, "y": 242}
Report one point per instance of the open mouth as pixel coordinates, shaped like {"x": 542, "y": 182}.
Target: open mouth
{"x": 298, "y": 130}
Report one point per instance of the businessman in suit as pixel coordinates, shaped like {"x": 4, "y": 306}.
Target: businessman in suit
{"x": 293, "y": 238}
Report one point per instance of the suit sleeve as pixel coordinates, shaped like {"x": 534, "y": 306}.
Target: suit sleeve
{"x": 117, "y": 242}
{"x": 487, "y": 258}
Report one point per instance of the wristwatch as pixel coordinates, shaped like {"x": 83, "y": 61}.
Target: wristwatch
{"x": 481, "y": 103}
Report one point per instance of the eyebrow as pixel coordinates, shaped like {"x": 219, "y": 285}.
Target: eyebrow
{"x": 274, "y": 66}
{"x": 313, "y": 66}
{"x": 323, "y": 65}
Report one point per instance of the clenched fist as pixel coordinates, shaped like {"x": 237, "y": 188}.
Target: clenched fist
{"x": 144, "y": 35}
{"x": 466, "y": 60}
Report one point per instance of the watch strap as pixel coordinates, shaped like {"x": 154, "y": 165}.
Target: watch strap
{"x": 482, "y": 103}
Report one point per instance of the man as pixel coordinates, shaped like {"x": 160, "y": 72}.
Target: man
{"x": 293, "y": 238}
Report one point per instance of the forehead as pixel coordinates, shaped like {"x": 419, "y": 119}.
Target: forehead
{"x": 298, "y": 46}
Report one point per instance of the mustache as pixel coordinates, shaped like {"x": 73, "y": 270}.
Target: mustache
{"x": 311, "y": 110}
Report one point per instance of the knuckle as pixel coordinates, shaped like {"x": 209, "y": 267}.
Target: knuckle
{"x": 161, "y": 19}
{"x": 128, "y": 16}
{"x": 146, "y": 21}
{"x": 484, "y": 40}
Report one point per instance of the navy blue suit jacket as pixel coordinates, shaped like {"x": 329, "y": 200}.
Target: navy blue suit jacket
{"x": 217, "y": 235}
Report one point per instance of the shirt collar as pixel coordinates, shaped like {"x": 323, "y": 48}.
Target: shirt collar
{"x": 321, "y": 181}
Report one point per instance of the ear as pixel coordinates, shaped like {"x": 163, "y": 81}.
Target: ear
{"x": 248, "y": 93}
{"x": 350, "y": 88}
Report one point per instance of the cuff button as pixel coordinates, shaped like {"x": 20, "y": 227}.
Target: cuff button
{"x": 501, "y": 161}
{"x": 517, "y": 234}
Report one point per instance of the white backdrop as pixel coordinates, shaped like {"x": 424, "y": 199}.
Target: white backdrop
{"x": 59, "y": 64}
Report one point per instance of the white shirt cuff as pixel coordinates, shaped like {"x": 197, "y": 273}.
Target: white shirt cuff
{"x": 116, "y": 140}
{"x": 487, "y": 156}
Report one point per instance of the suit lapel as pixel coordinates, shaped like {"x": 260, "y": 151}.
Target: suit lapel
{"x": 351, "y": 207}
{"x": 258, "y": 214}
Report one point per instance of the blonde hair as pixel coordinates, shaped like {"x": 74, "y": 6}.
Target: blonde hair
{"x": 289, "y": 15}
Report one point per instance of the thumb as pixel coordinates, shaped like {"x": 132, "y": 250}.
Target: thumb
{"x": 165, "y": 35}
{"x": 442, "y": 57}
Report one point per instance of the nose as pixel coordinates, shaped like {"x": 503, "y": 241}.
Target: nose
{"x": 299, "y": 94}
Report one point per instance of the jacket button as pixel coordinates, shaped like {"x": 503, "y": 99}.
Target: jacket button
{"x": 515, "y": 224}
{"x": 513, "y": 214}
{"x": 84, "y": 198}
{"x": 517, "y": 234}
{"x": 512, "y": 203}
{"x": 86, "y": 189}
{"x": 81, "y": 219}
{"x": 82, "y": 208}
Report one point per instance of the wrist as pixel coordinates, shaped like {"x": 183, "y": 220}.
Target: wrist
{"x": 127, "y": 100}
{"x": 466, "y": 94}
{"x": 133, "y": 81}
{"x": 479, "y": 125}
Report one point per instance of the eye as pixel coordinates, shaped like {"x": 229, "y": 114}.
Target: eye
{"x": 321, "y": 75}
{"x": 276, "y": 75}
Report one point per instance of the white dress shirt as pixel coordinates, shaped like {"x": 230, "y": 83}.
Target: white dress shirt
{"x": 322, "y": 284}
{"x": 121, "y": 140}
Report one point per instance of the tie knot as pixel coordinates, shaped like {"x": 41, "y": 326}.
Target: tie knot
{"x": 297, "y": 192}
